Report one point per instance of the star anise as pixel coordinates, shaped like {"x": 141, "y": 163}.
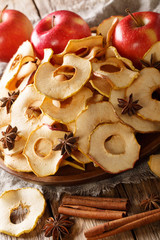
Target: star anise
{"x": 8, "y": 101}
{"x": 67, "y": 144}
{"x": 152, "y": 63}
{"x": 57, "y": 226}
{"x": 130, "y": 106}
{"x": 151, "y": 203}
{"x": 9, "y": 137}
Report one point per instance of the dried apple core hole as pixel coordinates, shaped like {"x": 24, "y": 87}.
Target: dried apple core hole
{"x": 43, "y": 147}
{"x": 156, "y": 94}
{"x": 64, "y": 73}
{"x": 110, "y": 68}
{"x": 115, "y": 144}
{"x": 18, "y": 214}
{"x": 33, "y": 110}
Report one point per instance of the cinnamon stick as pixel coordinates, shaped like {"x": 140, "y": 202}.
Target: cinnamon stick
{"x": 103, "y": 215}
{"x": 97, "y": 202}
{"x": 130, "y": 223}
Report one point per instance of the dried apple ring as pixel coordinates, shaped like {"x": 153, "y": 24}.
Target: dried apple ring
{"x": 25, "y": 112}
{"x": 30, "y": 199}
{"x": 61, "y": 89}
{"x": 95, "y": 114}
{"x": 113, "y": 162}
{"x": 115, "y": 72}
{"x": 39, "y": 151}
{"x": 135, "y": 121}
{"x": 24, "y": 54}
{"x": 143, "y": 90}
{"x": 69, "y": 109}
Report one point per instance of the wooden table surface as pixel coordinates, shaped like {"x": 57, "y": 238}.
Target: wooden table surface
{"x": 35, "y": 10}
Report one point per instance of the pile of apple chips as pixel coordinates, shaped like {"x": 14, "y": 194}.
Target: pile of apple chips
{"x": 80, "y": 106}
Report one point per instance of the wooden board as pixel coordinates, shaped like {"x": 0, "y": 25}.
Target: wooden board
{"x": 70, "y": 176}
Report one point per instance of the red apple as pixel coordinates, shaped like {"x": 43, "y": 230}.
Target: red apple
{"x": 135, "y": 34}
{"x": 15, "y": 28}
{"x": 56, "y": 29}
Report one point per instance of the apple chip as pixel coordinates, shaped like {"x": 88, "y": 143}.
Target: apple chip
{"x": 5, "y": 117}
{"x": 69, "y": 109}
{"x": 85, "y": 123}
{"x": 63, "y": 88}
{"x": 115, "y": 71}
{"x": 30, "y": 199}
{"x": 81, "y": 46}
{"x": 154, "y": 164}
{"x": 113, "y": 162}
{"x": 106, "y": 24}
{"x": 39, "y": 151}
{"x": 112, "y": 52}
{"x": 17, "y": 162}
{"x": 71, "y": 164}
{"x": 143, "y": 89}
{"x": 80, "y": 157}
{"x": 101, "y": 84}
{"x": 48, "y": 53}
{"x": 25, "y": 112}
{"x": 24, "y": 54}
{"x": 135, "y": 121}
{"x": 153, "y": 54}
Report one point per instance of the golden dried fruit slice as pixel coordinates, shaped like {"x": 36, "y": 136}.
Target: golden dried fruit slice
{"x": 106, "y": 24}
{"x": 113, "y": 162}
{"x": 72, "y": 164}
{"x": 154, "y": 164}
{"x": 48, "y": 53}
{"x": 153, "y": 53}
{"x": 102, "y": 85}
{"x": 17, "y": 162}
{"x": 24, "y": 54}
{"x": 80, "y": 157}
{"x": 112, "y": 52}
{"x": 135, "y": 121}
{"x": 39, "y": 151}
{"x": 5, "y": 117}
{"x": 61, "y": 89}
{"x": 25, "y": 112}
{"x": 83, "y": 46}
{"x": 28, "y": 198}
{"x": 143, "y": 89}
{"x": 115, "y": 71}
{"x": 86, "y": 122}
{"x": 69, "y": 109}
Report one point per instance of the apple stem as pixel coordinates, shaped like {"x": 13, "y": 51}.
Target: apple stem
{"x": 52, "y": 24}
{"x": 1, "y": 13}
{"x": 137, "y": 21}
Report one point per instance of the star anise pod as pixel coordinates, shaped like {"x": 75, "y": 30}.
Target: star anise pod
{"x": 8, "y": 101}
{"x": 150, "y": 203}
{"x": 57, "y": 226}
{"x": 9, "y": 137}
{"x": 67, "y": 144}
{"x": 152, "y": 63}
{"x": 130, "y": 106}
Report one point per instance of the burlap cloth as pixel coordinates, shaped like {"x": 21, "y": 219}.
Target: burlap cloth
{"x": 93, "y": 12}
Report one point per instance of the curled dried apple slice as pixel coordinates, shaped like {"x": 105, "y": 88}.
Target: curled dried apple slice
{"x": 48, "y": 53}
{"x": 25, "y": 111}
{"x": 80, "y": 157}
{"x": 135, "y": 121}
{"x": 57, "y": 88}
{"x": 5, "y": 117}
{"x": 101, "y": 85}
{"x": 24, "y": 54}
{"x": 69, "y": 109}
{"x": 143, "y": 90}
{"x": 115, "y": 71}
{"x": 153, "y": 54}
{"x": 82, "y": 46}
{"x": 17, "y": 162}
{"x": 39, "y": 151}
{"x": 112, "y": 162}
{"x": 85, "y": 123}
{"x": 112, "y": 52}
{"x": 30, "y": 199}
{"x": 154, "y": 164}
{"x": 71, "y": 164}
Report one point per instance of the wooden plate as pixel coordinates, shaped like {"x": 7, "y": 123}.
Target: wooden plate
{"x": 70, "y": 176}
